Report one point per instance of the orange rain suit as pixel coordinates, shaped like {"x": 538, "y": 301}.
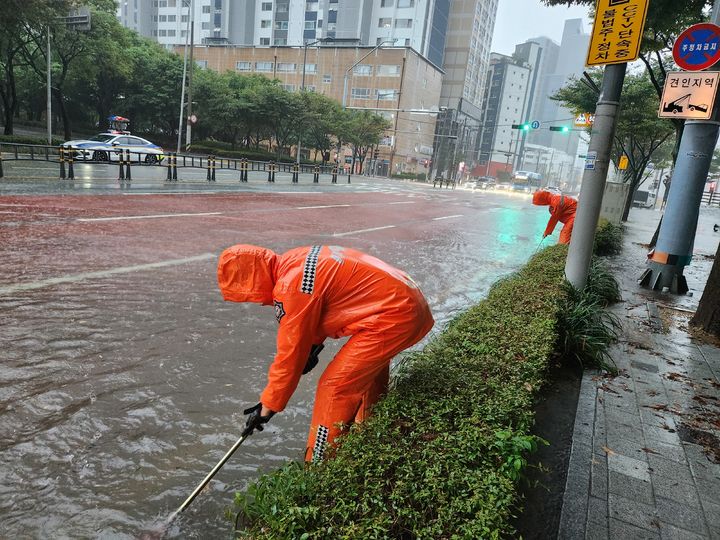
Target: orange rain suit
{"x": 328, "y": 291}
{"x": 562, "y": 209}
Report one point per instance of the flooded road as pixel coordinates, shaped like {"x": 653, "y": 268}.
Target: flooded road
{"x": 123, "y": 374}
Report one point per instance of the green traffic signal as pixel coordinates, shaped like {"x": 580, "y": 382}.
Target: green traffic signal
{"x": 561, "y": 129}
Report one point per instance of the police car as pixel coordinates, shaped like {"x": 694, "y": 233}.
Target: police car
{"x": 106, "y": 147}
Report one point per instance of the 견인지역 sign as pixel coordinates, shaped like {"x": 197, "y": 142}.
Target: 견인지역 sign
{"x": 698, "y": 47}
{"x": 689, "y": 95}
{"x": 617, "y": 31}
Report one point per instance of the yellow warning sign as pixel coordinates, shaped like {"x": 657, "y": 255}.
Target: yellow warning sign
{"x": 617, "y": 31}
{"x": 623, "y": 164}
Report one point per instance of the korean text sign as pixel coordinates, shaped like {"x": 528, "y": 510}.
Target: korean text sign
{"x": 617, "y": 32}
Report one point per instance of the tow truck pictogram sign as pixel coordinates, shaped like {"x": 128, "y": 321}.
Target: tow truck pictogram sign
{"x": 689, "y": 95}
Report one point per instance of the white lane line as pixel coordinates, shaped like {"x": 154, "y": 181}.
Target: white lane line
{"x": 323, "y": 206}
{"x": 364, "y": 230}
{"x": 155, "y": 216}
{"x": 403, "y": 202}
{"x": 447, "y": 217}
{"x": 9, "y": 289}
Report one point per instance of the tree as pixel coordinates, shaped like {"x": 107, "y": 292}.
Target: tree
{"x": 707, "y": 316}
{"x": 639, "y": 134}
{"x": 361, "y": 130}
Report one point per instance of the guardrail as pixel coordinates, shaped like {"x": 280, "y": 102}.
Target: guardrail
{"x": 67, "y": 157}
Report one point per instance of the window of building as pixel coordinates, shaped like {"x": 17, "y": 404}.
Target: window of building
{"x": 280, "y": 41}
{"x": 162, "y": 18}
{"x": 184, "y": 18}
{"x": 171, "y": 33}
{"x": 386, "y": 3}
{"x": 282, "y": 8}
{"x": 403, "y": 23}
{"x": 206, "y": 26}
{"x": 162, "y": 33}
{"x": 312, "y": 5}
{"x": 155, "y": 33}
{"x": 206, "y": 9}
{"x": 360, "y": 93}
{"x": 171, "y": 18}
{"x": 263, "y": 66}
{"x": 264, "y": 41}
{"x": 310, "y": 87}
{"x": 265, "y": 23}
{"x": 243, "y": 66}
{"x": 310, "y": 68}
{"x": 183, "y": 33}
{"x": 385, "y": 94}
{"x": 155, "y": 18}
{"x": 384, "y": 22}
{"x": 363, "y": 69}
{"x": 407, "y": 42}
{"x": 286, "y": 67}
{"x": 327, "y": 78}
{"x": 281, "y": 25}
{"x": 267, "y": 6}
{"x": 201, "y": 63}
{"x": 386, "y": 70}
{"x": 309, "y": 25}
{"x": 288, "y": 87}
{"x": 171, "y": 3}
{"x": 406, "y": 3}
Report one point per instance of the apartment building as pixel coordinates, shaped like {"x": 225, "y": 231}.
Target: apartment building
{"x": 397, "y": 79}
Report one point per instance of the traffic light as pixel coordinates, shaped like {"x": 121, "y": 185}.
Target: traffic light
{"x": 525, "y": 127}
{"x": 561, "y": 129}
{"x": 376, "y": 154}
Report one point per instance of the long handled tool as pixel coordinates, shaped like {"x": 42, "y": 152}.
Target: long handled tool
{"x": 207, "y": 479}
{"x": 539, "y": 244}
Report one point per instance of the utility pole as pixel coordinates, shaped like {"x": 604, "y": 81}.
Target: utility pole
{"x": 188, "y": 132}
{"x": 49, "y": 90}
{"x": 593, "y": 181}
{"x": 674, "y": 247}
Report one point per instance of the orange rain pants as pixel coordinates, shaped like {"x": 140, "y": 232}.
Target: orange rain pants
{"x": 562, "y": 209}
{"x": 329, "y": 291}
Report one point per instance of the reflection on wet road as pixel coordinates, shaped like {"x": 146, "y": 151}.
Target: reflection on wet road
{"x": 123, "y": 374}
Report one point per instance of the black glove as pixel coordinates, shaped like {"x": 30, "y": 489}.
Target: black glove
{"x": 313, "y": 358}
{"x": 255, "y": 420}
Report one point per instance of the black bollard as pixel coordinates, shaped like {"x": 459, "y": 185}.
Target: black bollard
{"x": 121, "y": 161}
{"x": 61, "y": 153}
{"x": 212, "y": 167}
{"x": 295, "y": 174}
{"x": 169, "y": 167}
{"x": 208, "y": 168}
{"x": 174, "y": 166}
{"x": 128, "y": 175}
{"x": 316, "y": 175}
{"x": 71, "y": 169}
{"x": 2, "y": 173}
{"x": 273, "y": 167}
{"x": 334, "y": 175}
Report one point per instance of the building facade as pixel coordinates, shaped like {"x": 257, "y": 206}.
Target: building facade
{"x": 399, "y": 83}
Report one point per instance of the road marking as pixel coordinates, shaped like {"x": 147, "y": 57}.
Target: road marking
{"x": 403, "y": 202}
{"x": 364, "y": 230}
{"x": 323, "y": 206}
{"x": 119, "y": 218}
{"x": 8, "y": 289}
{"x": 447, "y": 217}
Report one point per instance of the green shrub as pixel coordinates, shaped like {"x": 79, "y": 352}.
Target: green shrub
{"x": 608, "y": 239}
{"x": 409, "y": 176}
{"x": 442, "y": 453}
{"x": 24, "y": 139}
{"x": 225, "y": 150}
{"x": 601, "y": 284}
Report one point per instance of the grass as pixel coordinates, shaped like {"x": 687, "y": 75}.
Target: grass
{"x": 608, "y": 239}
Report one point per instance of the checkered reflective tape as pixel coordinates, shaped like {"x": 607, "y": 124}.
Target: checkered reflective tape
{"x": 308, "y": 280}
{"x": 320, "y": 443}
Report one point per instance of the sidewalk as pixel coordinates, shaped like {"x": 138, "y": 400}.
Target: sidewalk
{"x": 645, "y": 460}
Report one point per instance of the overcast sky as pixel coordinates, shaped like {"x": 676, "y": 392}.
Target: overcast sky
{"x": 519, "y": 20}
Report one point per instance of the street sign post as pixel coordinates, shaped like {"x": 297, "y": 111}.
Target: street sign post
{"x": 623, "y": 164}
{"x": 535, "y": 124}
{"x": 698, "y": 47}
{"x": 617, "y": 32}
{"x": 689, "y": 95}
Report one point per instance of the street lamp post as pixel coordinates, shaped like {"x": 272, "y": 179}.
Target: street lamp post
{"x": 347, "y": 71}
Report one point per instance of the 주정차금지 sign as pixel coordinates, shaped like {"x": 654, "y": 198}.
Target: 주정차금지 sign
{"x": 617, "y": 32}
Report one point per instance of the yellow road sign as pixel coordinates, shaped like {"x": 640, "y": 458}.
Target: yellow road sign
{"x": 617, "y": 31}
{"x": 585, "y": 120}
{"x": 623, "y": 163}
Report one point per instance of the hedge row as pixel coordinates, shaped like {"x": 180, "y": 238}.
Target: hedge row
{"x": 26, "y": 139}
{"x": 225, "y": 150}
{"x": 443, "y": 452}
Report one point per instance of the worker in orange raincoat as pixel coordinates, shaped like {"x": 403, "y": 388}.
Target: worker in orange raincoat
{"x": 320, "y": 292}
{"x": 562, "y": 209}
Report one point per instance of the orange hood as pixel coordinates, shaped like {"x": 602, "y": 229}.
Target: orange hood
{"x": 247, "y": 274}
{"x": 541, "y": 197}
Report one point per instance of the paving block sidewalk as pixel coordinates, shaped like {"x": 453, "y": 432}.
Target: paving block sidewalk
{"x": 645, "y": 460}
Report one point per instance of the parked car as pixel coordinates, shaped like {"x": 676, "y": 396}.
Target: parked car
{"x": 505, "y": 185}
{"x": 486, "y": 182}
{"x": 105, "y": 147}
